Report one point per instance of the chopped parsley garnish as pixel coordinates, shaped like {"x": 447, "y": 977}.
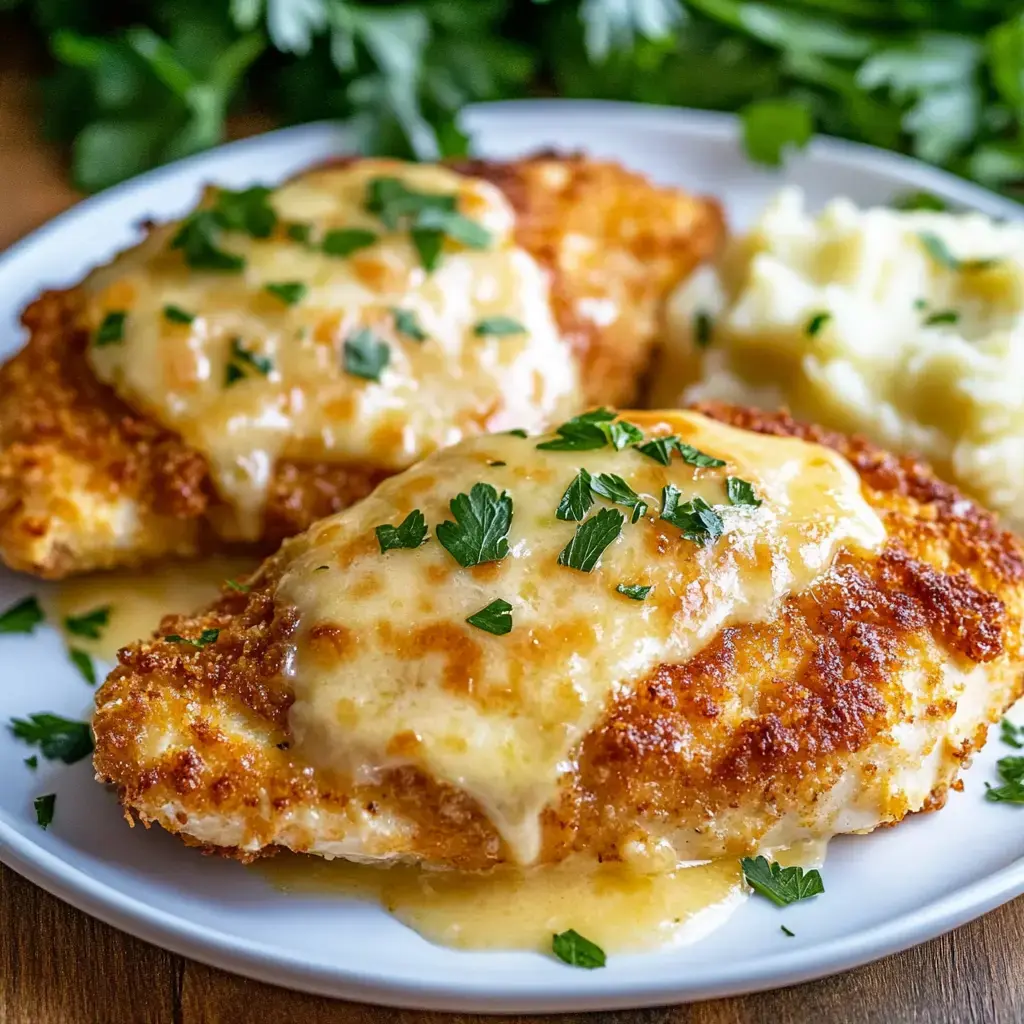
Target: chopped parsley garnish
{"x": 942, "y": 316}
{"x": 659, "y": 448}
{"x": 577, "y": 499}
{"x": 365, "y": 355}
{"x": 634, "y": 591}
{"x": 781, "y": 885}
{"x": 496, "y": 462}
{"x": 591, "y": 538}
{"x": 572, "y": 948}
{"x": 198, "y": 239}
{"x": 207, "y": 637}
{"x": 248, "y": 211}
{"x": 392, "y": 201}
{"x": 622, "y": 434}
{"x": 84, "y": 664}
{"x": 498, "y": 326}
{"x": 816, "y": 322}
{"x": 517, "y": 432}
{"x": 44, "y": 806}
{"x": 786, "y": 931}
{"x": 111, "y": 331}
{"x": 58, "y": 739}
{"x": 496, "y": 618}
{"x": 695, "y": 457}
{"x": 406, "y": 323}
{"x": 289, "y": 292}
{"x": 31, "y": 762}
{"x": 22, "y": 617}
{"x": 321, "y": 568}
{"x": 1011, "y": 772}
{"x": 177, "y": 315}
{"x": 240, "y": 588}
{"x": 919, "y": 201}
{"x": 298, "y": 232}
{"x": 480, "y": 531}
{"x": 591, "y": 430}
{"x": 741, "y": 492}
{"x": 615, "y": 489}
{"x": 410, "y": 533}
{"x": 345, "y": 241}
{"x": 920, "y": 304}
{"x": 939, "y": 251}
{"x": 696, "y": 518}
{"x": 89, "y": 624}
{"x": 1012, "y": 735}
{"x": 241, "y": 361}
{"x": 703, "y": 328}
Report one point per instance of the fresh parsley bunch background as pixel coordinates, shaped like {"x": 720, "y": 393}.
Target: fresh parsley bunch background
{"x": 139, "y": 83}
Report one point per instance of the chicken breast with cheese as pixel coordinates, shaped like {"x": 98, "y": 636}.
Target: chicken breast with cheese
{"x": 720, "y": 630}
{"x": 271, "y": 357}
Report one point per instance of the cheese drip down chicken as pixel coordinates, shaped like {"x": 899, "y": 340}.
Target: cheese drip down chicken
{"x": 269, "y": 358}
{"x": 715, "y": 631}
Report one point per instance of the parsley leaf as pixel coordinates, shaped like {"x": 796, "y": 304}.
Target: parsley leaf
{"x": 703, "y": 328}
{"x": 741, "y": 492}
{"x": 410, "y": 533}
{"x": 786, "y": 931}
{"x": 44, "y": 806}
{"x": 111, "y": 331}
{"x": 920, "y": 201}
{"x": 942, "y": 316}
{"x": 298, "y": 232}
{"x": 577, "y": 498}
{"x": 615, "y": 489}
{"x": 198, "y": 240}
{"x": 696, "y": 518}
{"x": 392, "y": 201}
{"x": 454, "y": 226}
{"x": 590, "y": 430}
{"x": 770, "y": 126}
{"x": 289, "y": 292}
{"x": 659, "y": 448}
{"x": 58, "y": 739}
{"x": 695, "y": 457}
{"x": 407, "y": 323}
{"x": 480, "y": 531}
{"x": 940, "y": 252}
{"x": 207, "y": 637}
{"x": 621, "y": 434}
{"x": 240, "y": 588}
{"x": 248, "y": 211}
{"x": 428, "y": 245}
{"x": 1011, "y": 772}
{"x": 816, "y": 323}
{"x": 365, "y": 355}
{"x": 89, "y": 624}
{"x": 496, "y": 618}
{"x": 781, "y": 885}
{"x": 1012, "y": 735}
{"x": 572, "y": 948}
{"x": 177, "y": 315}
{"x": 22, "y": 617}
{"x": 345, "y": 241}
{"x": 84, "y": 664}
{"x": 591, "y": 538}
{"x": 31, "y": 762}
{"x": 241, "y": 361}
{"x": 634, "y": 591}
{"x": 498, "y": 326}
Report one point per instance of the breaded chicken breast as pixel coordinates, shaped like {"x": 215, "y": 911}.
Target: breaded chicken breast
{"x": 269, "y": 359}
{"x": 719, "y": 630}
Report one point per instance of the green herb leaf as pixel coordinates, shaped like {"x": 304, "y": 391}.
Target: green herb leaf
{"x": 428, "y": 245}
{"x": 299, "y": 232}
{"x": 480, "y": 531}
{"x": 920, "y": 201}
{"x": 410, "y": 533}
{"x": 942, "y": 316}
{"x": 591, "y": 538}
{"x": 741, "y": 492}
{"x": 771, "y": 126}
{"x": 496, "y": 462}
{"x": 454, "y": 226}
{"x": 585, "y": 432}
{"x": 496, "y": 618}
{"x": 207, "y": 637}
{"x": 111, "y": 331}
{"x": 703, "y": 328}
{"x": 577, "y": 498}
{"x": 696, "y": 518}
{"x": 634, "y": 591}
{"x": 22, "y": 617}
{"x": 31, "y": 762}
{"x": 289, "y": 292}
{"x": 695, "y": 457}
{"x": 198, "y": 240}
{"x": 240, "y": 588}
{"x": 44, "y": 806}
{"x": 241, "y": 361}
{"x": 407, "y": 323}
{"x": 248, "y": 211}
{"x": 392, "y": 201}
{"x": 615, "y": 489}
{"x": 1012, "y": 735}
{"x": 781, "y": 885}
{"x": 659, "y": 448}
{"x": 84, "y": 664}
{"x": 786, "y": 931}
{"x": 345, "y": 241}
{"x": 89, "y": 624}
{"x": 816, "y": 322}
{"x": 365, "y": 355}
{"x": 498, "y": 326}
{"x": 58, "y": 739}
{"x": 572, "y": 948}
{"x": 517, "y": 432}
{"x": 940, "y": 252}
{"x": 1011, "y": 772}
{"x": 622, "y": 434}
{"x": 177, "y": 315}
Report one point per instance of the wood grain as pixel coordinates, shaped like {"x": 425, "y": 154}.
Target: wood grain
{"x": 58, "y": 966}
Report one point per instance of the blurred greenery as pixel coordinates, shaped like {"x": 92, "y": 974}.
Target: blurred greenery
{"x": 138, "y": 82}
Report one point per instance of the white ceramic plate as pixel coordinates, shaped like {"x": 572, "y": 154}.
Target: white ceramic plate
{"x": 884, "y": 892}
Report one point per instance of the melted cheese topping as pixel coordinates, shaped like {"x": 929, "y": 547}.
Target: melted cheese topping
{"x": 387, "y": 672}
{"x": 431, "y": 393}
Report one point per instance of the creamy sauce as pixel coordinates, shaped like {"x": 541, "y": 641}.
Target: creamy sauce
{"x": 618, "y": 905}
{"x": 139, "y": 598}
{"x": 307, "y": 407}
{"x": 386, "y": 671}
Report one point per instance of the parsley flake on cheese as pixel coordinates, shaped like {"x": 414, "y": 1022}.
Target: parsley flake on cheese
{"x": 410, "y": 533}
{"x": 572, "y": 948}
{"x": 940, "y": 253}
{"x": 248, "y": 211}
{"x": 696, "y": 518}
{"x": 741, "y": 492}
{"x": 365, "y": 355}
{"x": 111, "y": 330}
{"x": 816, "y": 323}
{"x": 198, "y": 238}
{"x": 591, "y": 538}
{"x": 177, "y": 315}
{"x": 695, "y": 457}
{"x": 577, "y": 499}
{"x": 480, "y": 531}
{"x": 703, "y": 329}
{"x": 498, "y": 326}
{"x": 407, "y": 323}
{"x": 781, "y": 885}
{"x": 615, "y": 489}
{"x": 496, "y": 618}
{"x": 241, "y": 361}
{"x": 659, "y": 448}
{"x": 591, "y": 430}
{"x": 289, "y": 292}
{"x": 345, "y": 241}
{"x": 634, "y": 590}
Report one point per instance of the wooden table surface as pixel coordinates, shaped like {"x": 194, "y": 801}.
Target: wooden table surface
{"x": 58, "y": 966}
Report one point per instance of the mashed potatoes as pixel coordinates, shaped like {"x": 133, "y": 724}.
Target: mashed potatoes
{"x": 906, "y": 327}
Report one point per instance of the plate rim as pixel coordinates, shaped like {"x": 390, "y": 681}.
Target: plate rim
{"x": 274, "y": 965}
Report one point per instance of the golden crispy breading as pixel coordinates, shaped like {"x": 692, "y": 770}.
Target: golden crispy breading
{"x": 762, "y": 734}
{"x": 86, "y": 482}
